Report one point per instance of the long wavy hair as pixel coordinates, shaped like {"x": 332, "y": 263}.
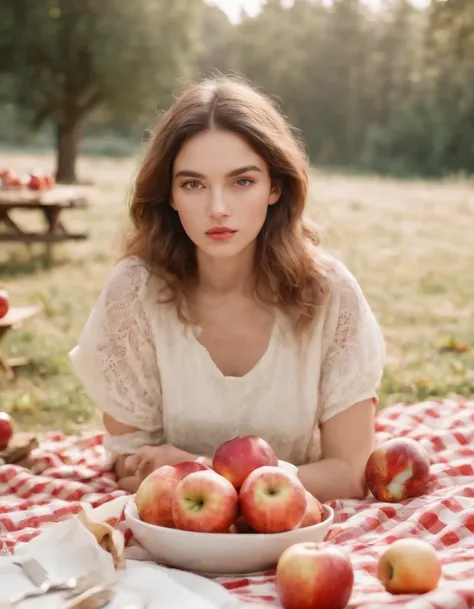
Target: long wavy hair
{"x": 286, "y": 265}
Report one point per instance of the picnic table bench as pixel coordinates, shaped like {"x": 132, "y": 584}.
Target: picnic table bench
{"x": 13, "y": 319}
{"x": 51, "y": 203}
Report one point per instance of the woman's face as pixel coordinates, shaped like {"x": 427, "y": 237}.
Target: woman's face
{"x": 221, "y": 190}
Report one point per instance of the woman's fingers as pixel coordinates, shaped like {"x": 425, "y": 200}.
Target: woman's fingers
{"x": 129, "y": 484}
{"x": 133, "y": 462}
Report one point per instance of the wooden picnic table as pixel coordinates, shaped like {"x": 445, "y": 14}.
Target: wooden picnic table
{"x": 13, "y": 319}
{"x": 51, "y": 203}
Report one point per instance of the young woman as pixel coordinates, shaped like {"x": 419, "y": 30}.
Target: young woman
{"x": 224, "y": 317}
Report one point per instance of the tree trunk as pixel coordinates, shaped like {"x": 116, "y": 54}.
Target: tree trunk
{"x": 68, "y": 137}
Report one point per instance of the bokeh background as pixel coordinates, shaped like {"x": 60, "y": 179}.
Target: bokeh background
{"x": 382, "y": 92}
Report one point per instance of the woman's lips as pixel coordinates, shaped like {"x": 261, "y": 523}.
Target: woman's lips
{"x": 221, "y": 233}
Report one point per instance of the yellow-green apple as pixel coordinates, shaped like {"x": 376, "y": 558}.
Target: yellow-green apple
{"x": 398, "y": 469}
{"x": 409, "y": 566}
{"x": 237, "y": 458}
{"x": 154, "y": 495}
{"x": 272, "y": 500}
{"x": 4, "y": 304}
{"x": 314, "y": 511}
{"x": 205, "y": 502}
{"x": 6, "y": 430}
{"x": 314, "y": 576}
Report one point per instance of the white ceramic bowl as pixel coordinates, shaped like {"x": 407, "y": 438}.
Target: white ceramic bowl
{"x": 216, "y": 553}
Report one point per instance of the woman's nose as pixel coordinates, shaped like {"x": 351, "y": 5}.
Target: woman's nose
{"x": 218, "y": 207}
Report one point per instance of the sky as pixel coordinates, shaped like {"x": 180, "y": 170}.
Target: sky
{"x": 232, "y": 7}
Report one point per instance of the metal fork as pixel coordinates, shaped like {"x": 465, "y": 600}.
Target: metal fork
{"x": 39, "y": 576}
{"x": 78, "y": 588}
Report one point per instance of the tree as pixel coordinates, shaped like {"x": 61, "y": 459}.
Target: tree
{"x": 66, "y": 58}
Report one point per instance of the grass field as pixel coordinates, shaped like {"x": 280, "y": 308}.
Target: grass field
{"x": 410, "y": 244}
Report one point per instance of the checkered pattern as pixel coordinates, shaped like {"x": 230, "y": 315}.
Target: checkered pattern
{"x": 68, "y": 471}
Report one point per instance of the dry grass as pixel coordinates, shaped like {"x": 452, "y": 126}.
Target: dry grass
{"x": 409, "y": 243}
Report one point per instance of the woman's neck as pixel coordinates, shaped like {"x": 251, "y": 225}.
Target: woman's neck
{"x": 225, "y": 276}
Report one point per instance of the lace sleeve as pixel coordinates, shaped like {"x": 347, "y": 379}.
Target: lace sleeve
{"x": 353, "y": 349}
{"x": 115, "y": 357}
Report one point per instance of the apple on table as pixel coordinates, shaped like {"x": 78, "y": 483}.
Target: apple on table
{"x": 398, "y": 469}
{"x": 4, "y": 303}
{"x": 6, "y": 430}
{"x": 40, "y": 181}
{"x": 314, "y": 576}
{"x": 9, "y": 179}
{"x": 409, "y": 566}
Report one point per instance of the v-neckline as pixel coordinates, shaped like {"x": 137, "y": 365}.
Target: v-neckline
{"x": 214, "y": 368}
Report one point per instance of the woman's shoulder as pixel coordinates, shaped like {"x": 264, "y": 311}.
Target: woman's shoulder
{"x": 337, "y": 273}
{"x": 130, "y": 269}
{"x": 131, "y": 279}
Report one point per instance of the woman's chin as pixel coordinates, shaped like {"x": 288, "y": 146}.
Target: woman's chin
{"x": 222, "y": 249}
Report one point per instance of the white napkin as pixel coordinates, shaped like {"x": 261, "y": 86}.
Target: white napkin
{"x": 68, "y": 549}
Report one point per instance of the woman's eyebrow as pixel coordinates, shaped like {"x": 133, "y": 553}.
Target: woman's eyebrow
{"x": 189, "y": 173}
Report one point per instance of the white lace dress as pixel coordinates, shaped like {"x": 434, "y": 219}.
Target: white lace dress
{"x": 142, "y": 366}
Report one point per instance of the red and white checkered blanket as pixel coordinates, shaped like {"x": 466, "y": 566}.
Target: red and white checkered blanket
{"x": 69, "y": 470}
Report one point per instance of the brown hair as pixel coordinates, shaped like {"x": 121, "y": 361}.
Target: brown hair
{"x": 287, "y": 266}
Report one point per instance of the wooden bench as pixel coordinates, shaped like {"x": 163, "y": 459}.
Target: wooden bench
{"x": 14, "y": 319}
{"x": 51, "y": 204}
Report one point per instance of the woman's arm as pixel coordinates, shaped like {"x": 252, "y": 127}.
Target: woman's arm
{"x": 347, "y": 440}
{"x": 131, "y": 469}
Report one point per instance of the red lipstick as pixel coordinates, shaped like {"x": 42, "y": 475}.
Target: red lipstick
{"x": 221, "y": 233}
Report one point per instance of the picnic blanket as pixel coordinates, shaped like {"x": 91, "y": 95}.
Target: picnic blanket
{"x": 69, "y": 470}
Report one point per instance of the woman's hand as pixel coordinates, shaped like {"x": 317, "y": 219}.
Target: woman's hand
{"x": 148, "y": 458}
{"x": 143, "y": 461}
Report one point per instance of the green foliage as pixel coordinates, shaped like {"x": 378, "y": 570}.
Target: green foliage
{"x": 390, "y": 91}
{"x": 72, "y": 55}
{"x": 65, "y": 58}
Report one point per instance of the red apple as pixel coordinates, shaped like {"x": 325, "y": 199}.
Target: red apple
{"x": 205, "y": 502}
{"x": 409, "y": 566}
{"x": 272, "y": 500}
{"x": 398, "y": 469}
{"x": 154, "y": 495}
{"x": 35, "y": 182}
{"x": 4, "y": 304}
{"x": 237, "y": 458}
{"x": 314, "y": 576}
{"x": 314, "y": 511}
{"x": 49, "y": 181}
{"x": 6, "y": 430}
{"x": 15, "y": 182}
{"x": 8, "y": 177}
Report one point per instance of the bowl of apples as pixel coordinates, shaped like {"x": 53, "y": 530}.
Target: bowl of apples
{"x": 235, "y": 517}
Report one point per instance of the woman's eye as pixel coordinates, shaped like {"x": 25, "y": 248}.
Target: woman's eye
{"x": 244, "y": 182}
{"x": 192, "y": 185}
